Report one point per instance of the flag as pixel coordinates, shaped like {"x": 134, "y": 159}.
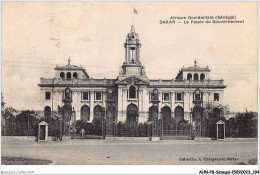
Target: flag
{"x": 135, "y": 11}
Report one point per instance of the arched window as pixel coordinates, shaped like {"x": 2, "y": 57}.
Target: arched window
{"x": 75, "y": 75}
{"x": 47, "y": 110}
{"x": 202, "y": 76}
{"x": 84, "y": 113}
{"x": 98, "y": 112}
{"x": 189, "y": 77}
{"x": 132, "y": 92}
{"x": 179, "y": 114}
{"x": 166, "y": 115}
{"x": 196, "y": 77}
{"x": 68, "y": 75}
{"x": 62, "y": 75}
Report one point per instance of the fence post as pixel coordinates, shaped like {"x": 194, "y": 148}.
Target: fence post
{"x": 161, "y": 129}
{"x": 103, "y": 123}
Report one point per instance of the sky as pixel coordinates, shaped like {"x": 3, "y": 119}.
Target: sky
{"x": 37, "y": 36}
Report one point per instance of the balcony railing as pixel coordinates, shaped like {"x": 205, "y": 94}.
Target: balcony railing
{"x": 60, "y": 81}
{"x": 186, "y": 82}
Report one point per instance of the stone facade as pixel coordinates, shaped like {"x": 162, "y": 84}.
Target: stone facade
{"x": 128, "y": 97}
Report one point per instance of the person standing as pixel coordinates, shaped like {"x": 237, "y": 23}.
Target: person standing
{"x": 82, "y": 131}
{"x": 57, "y": 133}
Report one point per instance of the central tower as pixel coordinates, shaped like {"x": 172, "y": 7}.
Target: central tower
{"x": 132, "y": 65}
{"x": 132, "y": 47}
{"x": 132, "y": 83}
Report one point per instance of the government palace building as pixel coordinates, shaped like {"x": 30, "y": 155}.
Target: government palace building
{"x": 131, "y": 96}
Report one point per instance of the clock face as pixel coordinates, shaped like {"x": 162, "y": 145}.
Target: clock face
{"x": 155, "y": 91}
{"x": 110, "y": 91}
{"x": 67, "y": 91}
{"x": 197, "y": 92}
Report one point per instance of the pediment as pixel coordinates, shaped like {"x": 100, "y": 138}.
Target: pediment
{"x": 220, "y": 122}
{"x": 132, "y": 80}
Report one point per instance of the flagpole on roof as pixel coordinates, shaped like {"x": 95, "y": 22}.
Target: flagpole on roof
{"x": 133, "y": 19}
{"x": 135, "y": 12}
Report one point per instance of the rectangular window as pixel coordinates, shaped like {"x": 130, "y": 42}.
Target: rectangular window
{"x": 85, "y": 96}
{"x": 166, "y": 96}
{"x": 216, "y": 96}
{"x": 47, "y": 95}
{"x": 98, "y": 96}
{"x": 178, "y": 96}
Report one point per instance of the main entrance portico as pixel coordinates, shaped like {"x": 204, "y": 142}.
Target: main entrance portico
{"x": 132, "y": 114}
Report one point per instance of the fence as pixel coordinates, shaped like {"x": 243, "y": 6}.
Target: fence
{"x": 176, "y": 132}
{"x": 125, "y": 130}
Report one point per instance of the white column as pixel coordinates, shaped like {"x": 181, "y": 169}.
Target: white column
{"x": 121, "y": 103}
{"x": 125, "y": 53}
{"x": 91, "y": 105}
{"x": 104, "y": 98}
{"x": 129, "y": 59}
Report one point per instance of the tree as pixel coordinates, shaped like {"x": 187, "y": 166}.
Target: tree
{"x": 26, "y": 123}
{"x": 2, "y": 103}
{"x": 2, "y": 114}
{"x": 210, "y": 116}
{"x": 245, "y": 124}
{"x": 8, "y": 116}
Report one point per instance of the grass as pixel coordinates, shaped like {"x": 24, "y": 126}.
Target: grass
{"x": 24, "y": 161}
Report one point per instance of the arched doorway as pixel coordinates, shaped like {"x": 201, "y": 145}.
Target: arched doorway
{"x": 132, "y": 114}
{"x": 179, "y": 114}
{"x": 47, "y": 113}
{"x": 98, "y": 112}
{"x": 153, "y": 113}
{"x": 197, "y": 119}
{"x": 84, "y": 113}
{"x": 166, "y": 115}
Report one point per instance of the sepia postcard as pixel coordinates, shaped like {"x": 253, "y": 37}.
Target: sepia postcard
{"x": 129, "y": 83}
